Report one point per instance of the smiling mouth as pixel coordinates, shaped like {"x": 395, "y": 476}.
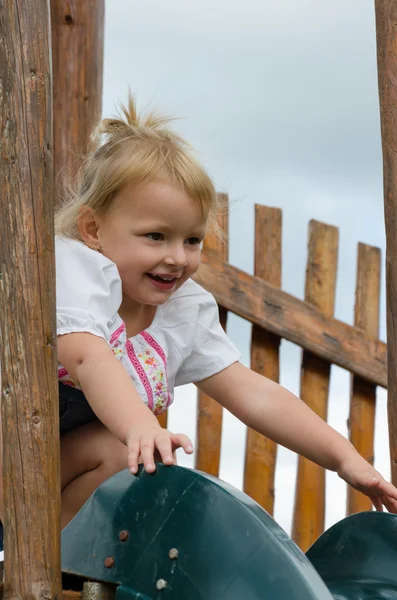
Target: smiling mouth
{"x": 161, "y": 279}
{"x": 163, "y": 283}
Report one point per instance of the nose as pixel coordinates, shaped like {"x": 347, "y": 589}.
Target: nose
{"x": 176, "y": 256}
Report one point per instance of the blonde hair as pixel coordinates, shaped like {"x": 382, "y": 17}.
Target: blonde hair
{"x": 129, "y": 150}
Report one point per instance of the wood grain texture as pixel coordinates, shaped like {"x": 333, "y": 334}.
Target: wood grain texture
{"x": 321, "y": 273}
{"x": 209, "y": 412}
{"x": 363, "y": 394}
{"x": 386, "y": 38}
{"x": 163, "y": 419}
{"x": 27, "y": 305}
{"x": 73, "y": 595}
{"x": 77, "y": 57}
{"x": 298, "y": 321}
{"x": 260, "y": 455}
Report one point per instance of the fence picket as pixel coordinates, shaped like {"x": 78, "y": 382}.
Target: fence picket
{"x": 363, "y": 393}
{"x": 260, "y": 458}
{"x": 309, "y": 511}
{"x": 209, "y": 412}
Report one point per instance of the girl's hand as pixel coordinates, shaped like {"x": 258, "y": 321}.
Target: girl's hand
{"x": 145, "y": 441}
{"x": 358, "y": 473}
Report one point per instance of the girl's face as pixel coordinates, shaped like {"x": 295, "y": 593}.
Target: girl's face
{"x": 152, "y": 233}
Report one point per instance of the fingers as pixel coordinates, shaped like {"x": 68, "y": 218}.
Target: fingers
{"x": 134, "y": 450}
{"x": 377, "y": 502}
{"x": 147, "y": 453}
{"x": 180, "y": 440}
{"x": 168, "y": 442}
{"x": 382, "y": 493}
{"x": 390, "y": 504}
{"x": 164, "y": 446}
{"x": 387, "y": 489}
{"x": 161, "y": 442}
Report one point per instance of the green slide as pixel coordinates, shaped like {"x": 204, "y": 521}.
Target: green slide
{"x": 183, "y": 535}
{"x": 357, "y": 557}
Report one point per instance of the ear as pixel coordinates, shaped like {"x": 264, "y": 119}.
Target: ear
{"x": 88, "y": 226}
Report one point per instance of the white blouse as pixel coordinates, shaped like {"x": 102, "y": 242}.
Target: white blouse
{"x": 185, "y": 342}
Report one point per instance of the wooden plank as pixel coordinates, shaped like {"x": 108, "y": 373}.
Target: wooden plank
{"x": 97, "y": 590}
{"x": 209, "y": 412}
{"x": 259, "y": 302}
{"x": 363, "y": 394}
{"x": 29, "y": 409}
{"x": 92, "y": 590}
{"x": 77, "y": 57}
{"x": 386, "y": 36}
{"x": 260, "y": 455}
{"x": 321, "y": 271}
{"x": 66, "y": 594}
{"x": 71, "y": 595}
{"x": 163, "y": 419}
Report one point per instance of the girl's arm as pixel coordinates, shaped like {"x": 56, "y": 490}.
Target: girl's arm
{"x": 115, "y": 401}
{"x": 276, "y": 413}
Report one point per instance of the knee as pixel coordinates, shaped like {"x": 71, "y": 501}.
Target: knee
{"x": 114, "y": 457}
{"x": 89, "y": 448}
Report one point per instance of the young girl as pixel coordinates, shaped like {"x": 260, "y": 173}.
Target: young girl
{"x": 132, "y": 324}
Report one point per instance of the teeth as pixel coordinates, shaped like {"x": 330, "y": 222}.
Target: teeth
{"x": 164, "y": 278}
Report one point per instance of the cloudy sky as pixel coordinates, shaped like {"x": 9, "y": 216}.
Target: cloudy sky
{"x": 281, "y": 101}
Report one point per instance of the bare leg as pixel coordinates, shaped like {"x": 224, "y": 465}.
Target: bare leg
{"x": 89, "y": 455}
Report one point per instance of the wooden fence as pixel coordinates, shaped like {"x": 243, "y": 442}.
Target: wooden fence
{"x": 31, "y": 493}
{"x": 324, "y": 341}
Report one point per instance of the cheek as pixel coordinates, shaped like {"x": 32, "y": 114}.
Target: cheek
{"x": 113, "y": 247}
{"x": 194, "y": 261}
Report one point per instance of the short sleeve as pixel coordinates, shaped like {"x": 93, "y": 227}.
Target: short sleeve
{"x": 88, "y": 289}
{"x": 212, "y": 350}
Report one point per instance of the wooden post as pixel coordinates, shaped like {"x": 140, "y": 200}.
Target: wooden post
{"x": 209, "y": 412}
{"x": 27, "y": 305}
{"x": 77, "y": 50}
{"x": 163, "y": 419}
{"x": 386, "y": 35}
{"x": 260, "y": 456}
{"x": 363, "y": 393}
{"x": 309, "y": 513}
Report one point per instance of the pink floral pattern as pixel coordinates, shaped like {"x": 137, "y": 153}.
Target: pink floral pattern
{"x": 141, "y": 372}
{"x": 164, "y": 398}
{"x": 116, "y": 334}
{"x": 64, "y": 376}
{"x": 147, "y": 360}
{"x": 118, "y": 350}
{"x": 155, "y": 372}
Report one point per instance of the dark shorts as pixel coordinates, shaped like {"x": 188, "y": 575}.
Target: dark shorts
{"x": 74, "y": 409}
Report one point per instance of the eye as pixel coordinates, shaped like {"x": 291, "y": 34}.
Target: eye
{"x": 155, "y": 236}
{"x": 193, "y": 241}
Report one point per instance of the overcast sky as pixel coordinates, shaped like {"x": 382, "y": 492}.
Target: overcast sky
{"x": 281, "y": 101}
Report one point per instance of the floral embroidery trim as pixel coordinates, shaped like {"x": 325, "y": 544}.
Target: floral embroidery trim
{"x": 152, "y": 342}
{"x": 116, "y": 334}
{"x": 141, "y": 372}
{"x": 62, "y": 372}
{"x": 117, "y": 351}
